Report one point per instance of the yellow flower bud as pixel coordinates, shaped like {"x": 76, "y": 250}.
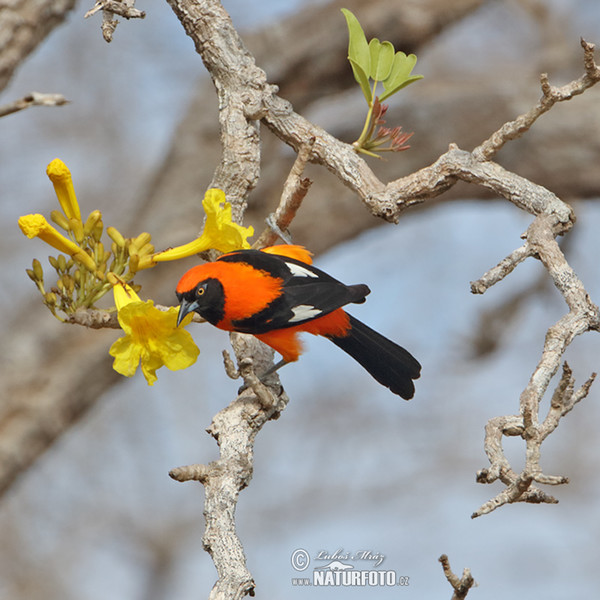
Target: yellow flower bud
{"x": 62, "y": 263}
{"x": 97, "y": 230}
{"x": 112, "y": 279}
{"x": 60, "y": 219}
{"x": 99, "y": 252}
{"x": 141, "y": 240}
{"x": 116, "y": 237}
{"x": 134, "y": 261}
{"x": 37, "y": 269}
{"x": 50, "y": 298}
{"x": 77, "y": 228}
{"x": 91, "y": 222}
{"x": 145, "y": 250}
{"x": 86, "y": 260}
{"x": 68, "y": 283}
{"x": 60, "y": 176}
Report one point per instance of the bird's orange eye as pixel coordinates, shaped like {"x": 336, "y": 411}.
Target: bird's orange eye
{"x": 200, "y": 291}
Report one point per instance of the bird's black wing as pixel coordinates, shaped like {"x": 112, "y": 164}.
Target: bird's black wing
{"x": 307, "y": 293}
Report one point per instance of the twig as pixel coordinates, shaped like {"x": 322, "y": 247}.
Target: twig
{"x": 33, "y": 99}
{"x": 550, "y": 96}
{"x": 294, "y": 190}
{"x": 110, "y": 8}
{"x": 122, "y": 8}
{"x": 460, "y": 586}
{"x": 501, "y": 270}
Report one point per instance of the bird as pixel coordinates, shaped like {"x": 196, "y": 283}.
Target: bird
{"x": 276, "y": 293}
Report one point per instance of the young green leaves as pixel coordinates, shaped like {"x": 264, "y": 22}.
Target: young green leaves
{"x": 379, "y": 62}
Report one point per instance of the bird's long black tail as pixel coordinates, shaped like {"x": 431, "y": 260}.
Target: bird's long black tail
{"x": 390, "y": 364}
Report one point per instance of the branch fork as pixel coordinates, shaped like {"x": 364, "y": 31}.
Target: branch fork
{"x": 233, "y": 68}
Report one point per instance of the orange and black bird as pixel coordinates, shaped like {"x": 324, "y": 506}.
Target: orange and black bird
{"x": 275, "y": 294}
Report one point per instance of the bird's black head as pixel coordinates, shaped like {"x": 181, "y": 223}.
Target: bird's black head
{"x": 207, "y": 298}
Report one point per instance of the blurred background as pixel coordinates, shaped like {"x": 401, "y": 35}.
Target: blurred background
{"x": 348, "y": 466}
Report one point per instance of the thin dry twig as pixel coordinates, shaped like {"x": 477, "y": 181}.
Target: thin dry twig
{"x": 110, "y": 8}
{"x": 294, "y": 190}
{"x": 462, "y": 585}
{"x": 33, "y": 99}
{"x": 550, "y": 96}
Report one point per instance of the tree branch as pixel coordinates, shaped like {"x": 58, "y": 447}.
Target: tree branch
{"x": 583, "y": 316}
{"x": 294, "y": 190}
{"x": 110, "y": 8}
{"x": 550, "y": 96}
{"x": 33, "y": 99}
{"x": 245, "y": 97}
{"x": 24, "y": 25}
{"x": 234, "y": 428}
{"x": 460, "y": 586}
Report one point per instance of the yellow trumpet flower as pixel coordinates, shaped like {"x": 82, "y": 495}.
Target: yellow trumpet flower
{"x": 151, "y": 338}
{"x": 60, "y": 176}
{"x": 220, "y": 232}
{"x": 37, "y": 226}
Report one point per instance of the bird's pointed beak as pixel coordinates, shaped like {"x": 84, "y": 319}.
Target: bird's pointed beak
{"x": 185, "y": 308}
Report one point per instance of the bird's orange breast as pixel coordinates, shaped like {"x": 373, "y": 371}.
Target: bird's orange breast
{"x": 247, "y": 290}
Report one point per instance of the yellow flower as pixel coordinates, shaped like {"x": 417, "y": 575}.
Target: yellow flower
{"x": 151, "y": 337}
{"x": 37, "y": 226}
{"x": 60, "y": 176}
{"x": 220, "y": 232}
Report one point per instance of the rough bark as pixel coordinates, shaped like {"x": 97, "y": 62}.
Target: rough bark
{"x": 24, "y": 24}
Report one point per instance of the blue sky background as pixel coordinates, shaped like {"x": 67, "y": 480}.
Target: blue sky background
{"x": 347, "y": 466}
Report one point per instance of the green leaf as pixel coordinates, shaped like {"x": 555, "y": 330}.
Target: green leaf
{"x": 391, "y": 92}
{"x": 363, "y": 81}
{"x": 399, "y": 76}
{"x": 382, "y": 58}
{"x": 358, "y": 47}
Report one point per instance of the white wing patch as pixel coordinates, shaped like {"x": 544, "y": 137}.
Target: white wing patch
{"x": 302, "y": 312}
{"x": 298, "y": 271}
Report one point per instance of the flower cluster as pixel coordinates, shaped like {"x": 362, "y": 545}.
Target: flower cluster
{"x": 85, "y": 261}
{"x": 87, "y": 269}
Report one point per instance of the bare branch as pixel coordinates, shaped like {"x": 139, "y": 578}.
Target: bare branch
{"x": 233, "y": 69}
{"x": 550, "y": 96}
{"x": 294, "y": 190}
{"x": 122, "y": 8}
{"x": 583, "y": 316}
{"x": 460, "y": 586}
{"x": 24, "y": 25}
{"x": 501, "y": 270}
{"x": 33, "y": 99}
{"x": 110, "y": 8}
{"x": 190, "y": 473}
